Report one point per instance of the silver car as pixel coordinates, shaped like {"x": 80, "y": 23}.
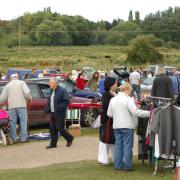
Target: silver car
{"x": 146, "y": 86}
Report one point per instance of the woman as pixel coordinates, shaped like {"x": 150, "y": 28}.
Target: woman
{"x": 93, "y": 82}
{"x": 106, "y": 132}
{"x": 69, "y": 79}
{"x": 80, "y": 82}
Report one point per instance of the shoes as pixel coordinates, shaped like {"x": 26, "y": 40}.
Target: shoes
{"x": 70, "y": 142}
{"x": 51, "y": 146}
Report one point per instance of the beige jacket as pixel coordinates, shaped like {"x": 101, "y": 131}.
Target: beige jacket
{"x": 16, "y": 93}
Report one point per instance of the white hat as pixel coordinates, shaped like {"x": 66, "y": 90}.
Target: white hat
{"x": 14, "y": 76}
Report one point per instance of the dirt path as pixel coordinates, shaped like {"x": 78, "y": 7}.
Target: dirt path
{"x": 34, "y": 154}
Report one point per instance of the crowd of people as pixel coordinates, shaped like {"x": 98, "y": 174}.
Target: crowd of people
{"x": 119, "y": 111}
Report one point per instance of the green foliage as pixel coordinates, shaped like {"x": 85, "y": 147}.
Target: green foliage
{"x": 171, "y": 44}
{"x": 164, "y": 25}
{"x": 130, "y": 18}
{"x": 48, "y": 28}
{"x": 122, "y": 33}
{"x": 142, "y": 52}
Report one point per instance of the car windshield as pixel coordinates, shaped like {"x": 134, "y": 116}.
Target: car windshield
{"x": 147, "y": 81}
{"x": 152, "y": 68}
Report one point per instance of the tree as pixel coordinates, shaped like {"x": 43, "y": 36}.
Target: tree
{"x": 137, "y": 17}
{"x": 122, "y": 33}
{"x": 143, "y": 52}
{"x": 130, "y": 18}
{"x": 52, "y": 33}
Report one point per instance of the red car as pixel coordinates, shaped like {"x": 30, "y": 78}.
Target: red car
{"x": 41, "y": 91}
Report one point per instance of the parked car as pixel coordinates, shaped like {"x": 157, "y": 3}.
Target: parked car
{"x": 88, "y": 72}
{"x": 73, "y": 90}
{"x": 155, "y": 68}
{"x": 40, "y": 92}
{"x": 146, "y": 86}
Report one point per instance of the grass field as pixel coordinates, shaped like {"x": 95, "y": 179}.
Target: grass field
{"x": 72, "y": 57}
{"x": 85, "y": 170}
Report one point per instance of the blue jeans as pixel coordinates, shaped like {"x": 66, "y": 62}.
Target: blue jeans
{"x": 14, "y": 114}
{"x": 123, "y": 148}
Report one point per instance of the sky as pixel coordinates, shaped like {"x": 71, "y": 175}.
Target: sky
{"x": 94, "y": 10}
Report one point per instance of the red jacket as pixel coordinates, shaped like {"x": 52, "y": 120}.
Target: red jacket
{"x": 80, "y": 83}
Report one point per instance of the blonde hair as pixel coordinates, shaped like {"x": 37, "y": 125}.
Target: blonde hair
{"x": 126, "y": 86}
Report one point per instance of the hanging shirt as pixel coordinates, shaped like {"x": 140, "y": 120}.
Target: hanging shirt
{"x": 52, "y": 102}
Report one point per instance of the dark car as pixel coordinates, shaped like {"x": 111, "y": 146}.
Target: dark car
{"x": 40, "y": 92}
{"x": 73, "y": 90}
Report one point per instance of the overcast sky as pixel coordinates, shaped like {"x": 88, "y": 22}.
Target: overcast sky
{"x": 94, "y": 10}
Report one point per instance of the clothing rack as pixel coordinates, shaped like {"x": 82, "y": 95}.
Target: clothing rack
{"x": 162, "y": 100}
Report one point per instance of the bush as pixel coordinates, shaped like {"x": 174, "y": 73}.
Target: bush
{"x": 142, "y": 52}
{"x": 171, "y": 44}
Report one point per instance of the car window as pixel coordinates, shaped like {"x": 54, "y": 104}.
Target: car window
{"x": 34, "y": 91}
{"x": 147, "y": 81}
{"x": 67, "y": 86}
{"x": 46, "y": 90}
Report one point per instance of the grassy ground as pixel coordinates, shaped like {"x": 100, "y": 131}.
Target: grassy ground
{"x": 85, "y": 170}
{"x": 72, "y": 57}
{"x": 84, "y": 131}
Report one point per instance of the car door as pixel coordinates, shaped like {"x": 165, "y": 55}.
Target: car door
{"x": 36, "y": 113}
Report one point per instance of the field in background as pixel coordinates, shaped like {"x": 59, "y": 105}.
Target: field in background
{"x": 73, "y": 57}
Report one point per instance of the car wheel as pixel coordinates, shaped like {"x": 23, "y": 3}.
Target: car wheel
{"x": 88, "y": 116}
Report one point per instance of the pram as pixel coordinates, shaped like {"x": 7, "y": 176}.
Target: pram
{"x": 4, "y": 126}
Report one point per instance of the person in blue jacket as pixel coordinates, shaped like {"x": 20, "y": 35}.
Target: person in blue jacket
{"x": 58, "y": 104}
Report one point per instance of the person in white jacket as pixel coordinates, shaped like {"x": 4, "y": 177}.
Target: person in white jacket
{"x": 124, "y": 113}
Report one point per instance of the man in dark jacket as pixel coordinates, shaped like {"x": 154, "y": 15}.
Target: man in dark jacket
{"x": 59, "y": 101}
{"x": 162, "y": 85}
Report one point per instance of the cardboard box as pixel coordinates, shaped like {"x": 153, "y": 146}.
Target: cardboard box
{"x": 75, "y": 130}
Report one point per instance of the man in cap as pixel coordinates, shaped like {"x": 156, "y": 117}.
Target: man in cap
{"x": 17, "y": 93}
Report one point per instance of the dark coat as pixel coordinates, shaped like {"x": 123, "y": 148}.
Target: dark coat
{"x": 61, "y": 101}
{"x": 106, "y": 131}
{"x": 162, "y": 87}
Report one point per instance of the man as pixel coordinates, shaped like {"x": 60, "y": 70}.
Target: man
{"x": 162, "y": 85}
{"x": 101, "y": 83}
{"x": 175, "y": 83}
{"x": 33, "y": 73}
{"x": 124, "y": 113}
{"x": 59, "y": 101}
{"x": 17, "y": 93}
{"x": 135, "y": 82}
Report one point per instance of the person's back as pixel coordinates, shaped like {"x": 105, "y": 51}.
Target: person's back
{"x": 101, "y": 85}
{"x": 16, "y": 93}
{"x": 162, "y": 87}
{"x": 176, "y": 84}
{"x": 134, "y": 78}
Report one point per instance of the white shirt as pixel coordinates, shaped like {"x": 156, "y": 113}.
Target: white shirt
{"x": 52, "y": 102}
{"x": 124, "y": 111}
{"x": 135, "y": 77}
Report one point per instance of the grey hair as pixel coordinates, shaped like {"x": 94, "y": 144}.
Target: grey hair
{"x": 161, "y": 70}
{"x": 55, "y": 79}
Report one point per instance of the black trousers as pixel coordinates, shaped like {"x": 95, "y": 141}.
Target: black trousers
{"x": 57, "y": 125}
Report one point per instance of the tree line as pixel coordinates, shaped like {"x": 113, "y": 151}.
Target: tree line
{"x": 53, "y": 29}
